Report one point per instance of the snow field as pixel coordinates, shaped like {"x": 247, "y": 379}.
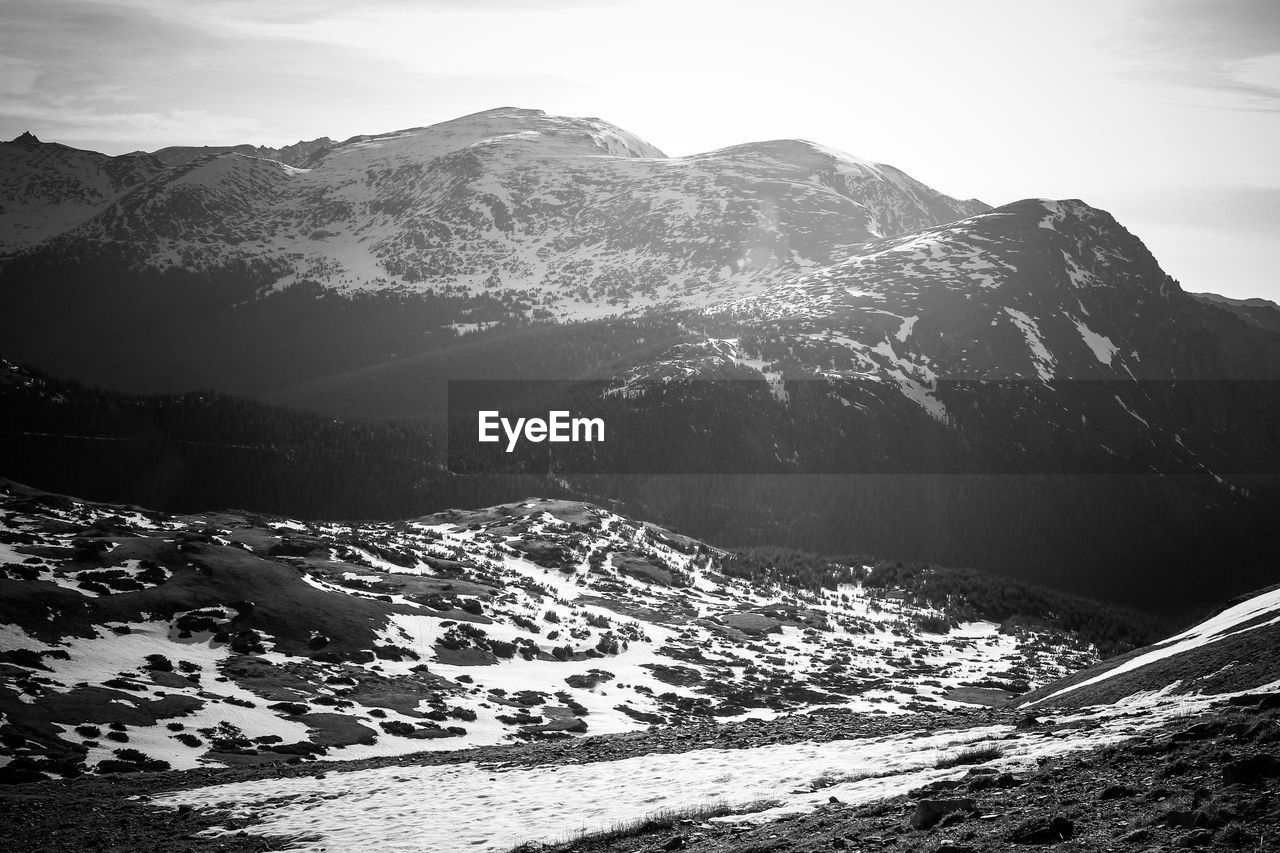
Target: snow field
{"x": 483, "y": 808}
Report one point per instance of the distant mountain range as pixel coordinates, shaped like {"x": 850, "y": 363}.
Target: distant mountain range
{"x": 1259, "y": 312}
{"x": 510, "y": 201}
{"x": 511, "y": 215}
{"x": 297, "y": 154}
{"x": 355, "y": 278}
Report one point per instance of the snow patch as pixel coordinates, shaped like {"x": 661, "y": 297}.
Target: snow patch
{"x": 1040, "y": 356}
{"x": 1103, "y": 349}
{"x": 904, "y": 331}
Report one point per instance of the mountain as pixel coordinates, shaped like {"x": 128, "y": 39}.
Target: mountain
{"x": 47, "y": 188}
{"x": 1037, "y": 289}
{"x": 511, "y": 215}
{"x": 1021, "y": 389}
{"x": 557, "y": 216}
{"x": 1258, "y": 312}
{"x": 794, "y": 252}
{"x": 133, "y": 637}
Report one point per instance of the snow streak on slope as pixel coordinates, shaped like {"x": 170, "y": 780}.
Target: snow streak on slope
{"x": 1101, "y": 345}
{"x": 1254, "y": 614}
{"x": 1040, "y": 355}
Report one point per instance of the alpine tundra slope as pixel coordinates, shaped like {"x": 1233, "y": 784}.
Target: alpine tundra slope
{"x": 782, "y": 718}
{"x": 136, "y": 640}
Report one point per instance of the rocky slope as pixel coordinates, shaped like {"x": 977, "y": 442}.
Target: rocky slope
{"x": 134, "y": 639}
{"x": 1192, "y": 764}
{"x": 47, "y": 188}
{"x": 678, "y": 704}
{"x": 1229, "y": 652}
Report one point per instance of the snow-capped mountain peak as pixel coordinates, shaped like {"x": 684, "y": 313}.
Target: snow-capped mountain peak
{"x": 571, "y": 217}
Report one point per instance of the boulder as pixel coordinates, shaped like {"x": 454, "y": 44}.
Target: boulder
{"x": 568, "y": 724}
{"x": 1116, "y": 792}
{"x": 929, "y": 812}
{"x": 1043, "y": 830}
{"x": 1251, "y": 770}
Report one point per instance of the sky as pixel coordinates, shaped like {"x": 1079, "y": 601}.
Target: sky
{"x": 1164, "y": 112}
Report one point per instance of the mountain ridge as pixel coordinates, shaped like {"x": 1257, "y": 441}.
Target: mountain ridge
{"x": 360, "y": 188}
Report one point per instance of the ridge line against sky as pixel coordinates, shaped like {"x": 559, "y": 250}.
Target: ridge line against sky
{"x": 1165, "y": 113}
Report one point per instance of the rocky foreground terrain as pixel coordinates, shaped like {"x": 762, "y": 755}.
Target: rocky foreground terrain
{"x": 135, "y": 641}
{"x": 1208, "y": 782}
{"x": 228, "y": 681}
{"x": 1205, "y": 778}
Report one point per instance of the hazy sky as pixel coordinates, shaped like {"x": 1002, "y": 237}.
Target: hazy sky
{"x": 1165, "y": 113}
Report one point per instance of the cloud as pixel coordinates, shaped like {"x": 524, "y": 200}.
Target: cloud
{"x": 1214, "y": 46}
{"x": 244, "y": 15}
{"x": 1240, "y": 210}
{"x": 65, "y": 120}
{"x": 140, "y": 74}
{"x": 1214, "y": 30}
{"x": 17, "y": 76}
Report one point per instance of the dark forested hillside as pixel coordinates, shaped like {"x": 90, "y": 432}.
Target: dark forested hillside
{"x": 205, "y": 451}
{"x": 384, "y": 353}
{"x": 962, "y": 594}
